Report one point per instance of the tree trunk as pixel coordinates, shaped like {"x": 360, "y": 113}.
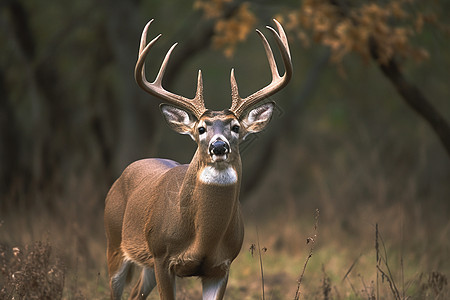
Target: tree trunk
{"x": 414, "y": 98}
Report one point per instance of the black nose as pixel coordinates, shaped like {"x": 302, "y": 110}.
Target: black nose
{"x": 219, "y": 147}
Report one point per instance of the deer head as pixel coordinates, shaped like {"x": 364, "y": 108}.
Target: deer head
{"x": 217, "y": 133}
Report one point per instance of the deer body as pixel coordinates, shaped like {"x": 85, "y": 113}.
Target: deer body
{"x": 185, "y": 220}
{"x": 194, "y": 232}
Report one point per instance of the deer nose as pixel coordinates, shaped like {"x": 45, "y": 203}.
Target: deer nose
{"x": 219, "y": 148}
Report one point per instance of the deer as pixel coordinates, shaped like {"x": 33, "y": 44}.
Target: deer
{"x": 179, "y": 220}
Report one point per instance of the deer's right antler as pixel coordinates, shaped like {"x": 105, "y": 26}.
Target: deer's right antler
{"x": 195, "y": 105}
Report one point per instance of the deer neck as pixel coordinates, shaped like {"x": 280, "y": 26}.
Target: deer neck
{"x": 210, "y": 196}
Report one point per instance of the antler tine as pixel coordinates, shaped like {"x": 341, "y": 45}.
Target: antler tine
{"x": 282, "y": 35}
{"x": 269, "y": 54}
{"x": 239, "y": 105}
{"x": 195, "y": 105}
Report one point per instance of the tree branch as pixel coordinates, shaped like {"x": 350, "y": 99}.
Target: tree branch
{"x": 414, "y": 97}
{"x": 410, "y": 93}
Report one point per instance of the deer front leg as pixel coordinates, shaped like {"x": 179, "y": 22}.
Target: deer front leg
{"x": 165, "y": 280}
{"x": 214, "y": 287}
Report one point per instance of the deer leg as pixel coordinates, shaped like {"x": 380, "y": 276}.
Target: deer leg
{"x": 214, "y": 287}
{"x": 145, "y": 285}
{"x": 165, "y": 280}
{"x": 117, "y": 281}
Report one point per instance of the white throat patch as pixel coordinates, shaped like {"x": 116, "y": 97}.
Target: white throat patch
{"x": 211, "y": 175}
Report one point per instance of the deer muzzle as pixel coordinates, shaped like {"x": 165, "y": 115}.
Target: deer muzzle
{"x": 219, "y": 150}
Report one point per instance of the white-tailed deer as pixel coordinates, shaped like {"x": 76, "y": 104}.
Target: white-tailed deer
{"x": 185, "y": 220}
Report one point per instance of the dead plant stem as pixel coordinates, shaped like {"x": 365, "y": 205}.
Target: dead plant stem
{"x": 377, "y": 250}
{"x": 384, "y": 260}
{"x": 260, "y": 263}
{"x": 312, "y": 242}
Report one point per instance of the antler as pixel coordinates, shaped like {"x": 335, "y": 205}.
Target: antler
{"x": 239, "y": 104}
{"x": 195, "y": 105}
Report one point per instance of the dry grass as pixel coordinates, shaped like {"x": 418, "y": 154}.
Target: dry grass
{"x": 346, "y": 263}
{"x": 30, "y": 273}
{"x": 370, "y": 265}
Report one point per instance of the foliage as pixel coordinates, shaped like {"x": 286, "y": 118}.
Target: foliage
{"x": 390, "y": 24}
{"x": 228, "y": 32}
{"x": 211, "y": 9}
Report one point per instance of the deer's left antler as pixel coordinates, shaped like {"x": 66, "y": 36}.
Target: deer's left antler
{"x": 239, "y": 105}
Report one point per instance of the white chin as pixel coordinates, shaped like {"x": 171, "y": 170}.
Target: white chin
{"x": 219, "y": 158}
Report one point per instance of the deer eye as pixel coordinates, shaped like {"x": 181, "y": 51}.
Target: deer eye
{"x": 201, "y": 130}
{"x": 235, "y": 128}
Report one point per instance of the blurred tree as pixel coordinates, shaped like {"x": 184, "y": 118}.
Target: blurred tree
{"x": 382, "y": 31}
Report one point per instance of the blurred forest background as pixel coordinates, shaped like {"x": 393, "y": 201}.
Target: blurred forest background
{"x": 361, "y": 133}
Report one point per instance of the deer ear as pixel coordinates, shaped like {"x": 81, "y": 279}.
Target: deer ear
{"x": 178, "y": 119}
{"x": 257, "y": 119}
